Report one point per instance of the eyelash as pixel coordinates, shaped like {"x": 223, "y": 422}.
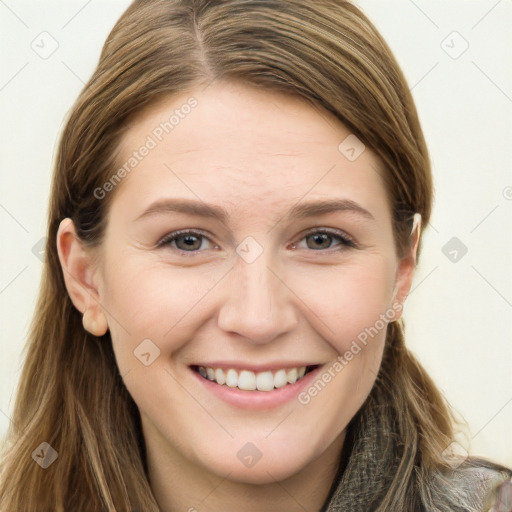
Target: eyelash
{"x": 345, "y": 240}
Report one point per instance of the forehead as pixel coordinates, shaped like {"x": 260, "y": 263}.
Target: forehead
{"x": 244, "y": 147}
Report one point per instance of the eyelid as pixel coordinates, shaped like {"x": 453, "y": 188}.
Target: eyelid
{"x": 169, "y": 237}
{"x": 345, "y": 239}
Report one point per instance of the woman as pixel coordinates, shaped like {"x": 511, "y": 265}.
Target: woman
{"x": 234, "y": 226}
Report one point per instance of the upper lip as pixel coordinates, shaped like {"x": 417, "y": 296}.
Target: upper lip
{"x": 237, "y": 365}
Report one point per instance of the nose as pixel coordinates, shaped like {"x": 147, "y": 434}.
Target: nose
{"x": 257, "y": 304}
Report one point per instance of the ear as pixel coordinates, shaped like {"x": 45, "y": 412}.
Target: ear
{"x": 407, "y": 266}
{"x": 79, "y": 271}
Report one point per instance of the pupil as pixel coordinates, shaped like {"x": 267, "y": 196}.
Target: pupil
{"x": 319, "y": 238}
{"x": 189, "y": 240}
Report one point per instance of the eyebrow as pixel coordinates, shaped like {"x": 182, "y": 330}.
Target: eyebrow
{"x": 299, "y": 211}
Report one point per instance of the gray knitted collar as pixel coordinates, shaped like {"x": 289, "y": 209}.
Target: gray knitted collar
{"x": 371, "y": 460}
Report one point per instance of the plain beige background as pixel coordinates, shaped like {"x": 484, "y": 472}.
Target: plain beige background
{"x": 455, "y": 55}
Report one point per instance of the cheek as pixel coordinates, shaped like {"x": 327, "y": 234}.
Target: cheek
{"x": 151, "y": 301}
{"x": 350, "y": 300}
{"x": 355, "y": 308}
{"x": 152, "y": 313}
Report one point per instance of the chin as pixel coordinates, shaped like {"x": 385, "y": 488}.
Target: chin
{"x": 264, "y": 465}
{"x": 262, "y": 473}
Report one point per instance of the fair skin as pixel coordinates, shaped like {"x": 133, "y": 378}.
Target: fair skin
{"x": 302, "y": 301}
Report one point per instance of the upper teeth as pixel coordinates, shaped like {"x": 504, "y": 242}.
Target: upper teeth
{"x": 249, "y": 381}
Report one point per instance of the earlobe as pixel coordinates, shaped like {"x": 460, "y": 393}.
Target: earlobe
{"x": 78, "y": 272}
{"x": 95, "y": 322}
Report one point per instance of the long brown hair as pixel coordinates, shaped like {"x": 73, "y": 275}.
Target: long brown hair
{"x": 70, "y": 393}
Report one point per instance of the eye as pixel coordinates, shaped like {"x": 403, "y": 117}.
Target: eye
{"x": 320, "y": 239}
{"x": 188, "y": 241}
{"x": 185, "y": 241}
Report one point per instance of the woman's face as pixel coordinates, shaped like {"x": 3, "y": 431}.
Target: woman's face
{"x": 261, "y": 281}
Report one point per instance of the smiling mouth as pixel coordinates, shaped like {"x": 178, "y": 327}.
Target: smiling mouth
{"x": 248, "y": 380}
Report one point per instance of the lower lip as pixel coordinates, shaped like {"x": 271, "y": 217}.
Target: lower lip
{"x": 258, "y": 399}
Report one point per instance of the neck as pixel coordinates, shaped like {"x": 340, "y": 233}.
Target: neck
{"x": 179, "y": 485}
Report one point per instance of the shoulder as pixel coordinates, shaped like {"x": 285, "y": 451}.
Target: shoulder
{"x": 470, "y": 487}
